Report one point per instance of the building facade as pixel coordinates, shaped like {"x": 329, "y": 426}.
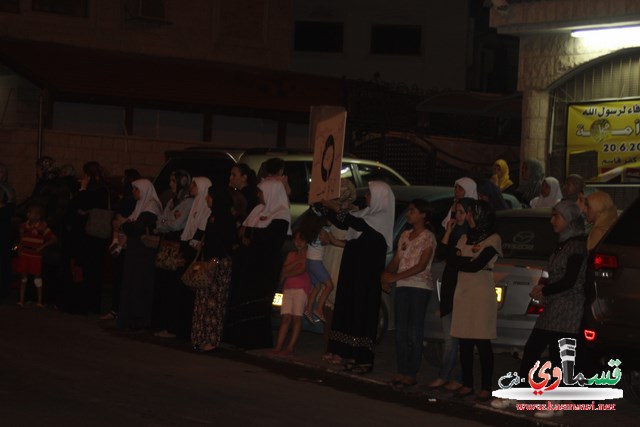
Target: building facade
{"x": 123, "y": 81}
{"x": 417, "y": 43}
{"x": 560, "y": 74}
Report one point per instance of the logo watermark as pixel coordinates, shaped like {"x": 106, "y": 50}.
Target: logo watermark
{"x": 549, "y": 383}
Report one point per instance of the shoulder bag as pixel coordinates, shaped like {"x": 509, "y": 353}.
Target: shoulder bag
{"x": 99, "y": 221}
{"x": 169, "y": 256}
{"x": 200, "y": 273}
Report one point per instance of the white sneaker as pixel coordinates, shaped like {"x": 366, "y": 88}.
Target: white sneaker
{"x": 548, "y": 414}
{"x": 499, "y": 403}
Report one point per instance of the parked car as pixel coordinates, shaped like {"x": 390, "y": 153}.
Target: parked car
{"x": 611, "y": 322}
{"x": 216, "y": 164}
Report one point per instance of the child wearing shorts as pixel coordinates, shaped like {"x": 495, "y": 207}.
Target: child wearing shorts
{"x": 294, "y": 295}
{"x": 320, "y": 279}
{"x": 35, "y": 235}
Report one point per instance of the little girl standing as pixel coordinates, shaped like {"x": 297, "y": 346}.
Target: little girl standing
{"x": 35, "y": 235}
{"x": 410, "y": 269}
{"x": 294, "y": 295}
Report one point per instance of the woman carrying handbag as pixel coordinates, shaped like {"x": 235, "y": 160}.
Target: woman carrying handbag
{"x": 169, "y": 261}
{"x": 211, "y": 300}
{"x": 190, "y": 242}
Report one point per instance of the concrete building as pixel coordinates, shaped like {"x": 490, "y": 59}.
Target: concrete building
{"x": 414, "y": 42}
{"x": 122, "y": 82}
{"x": 594, "y": 77}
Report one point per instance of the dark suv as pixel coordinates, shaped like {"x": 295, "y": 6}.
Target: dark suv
{"x": 612, "y": 324}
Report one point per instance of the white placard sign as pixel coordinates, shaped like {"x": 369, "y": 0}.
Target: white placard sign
{"x": 326, "y": 133}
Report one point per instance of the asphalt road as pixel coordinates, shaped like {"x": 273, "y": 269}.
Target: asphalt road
{"x": 63, "y": 370}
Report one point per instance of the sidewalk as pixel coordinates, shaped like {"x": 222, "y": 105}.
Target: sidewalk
{"x": 309, "y": 351}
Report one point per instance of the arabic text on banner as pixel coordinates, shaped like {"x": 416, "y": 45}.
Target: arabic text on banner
{"x": 609, "y": 129}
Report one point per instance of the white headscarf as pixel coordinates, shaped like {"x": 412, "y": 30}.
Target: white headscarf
{"x": 276, "y": 206}
{"x": 200, "y": 212}
{"x": 469, "y": 186}
{"x": 555, "y": 195}
{"x": 148, "y": 202}
{"x": 380, "y": 214}
{"x": 470, "y": 191}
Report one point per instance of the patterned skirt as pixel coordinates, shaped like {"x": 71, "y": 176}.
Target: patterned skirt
{"x": 209, "y": 307}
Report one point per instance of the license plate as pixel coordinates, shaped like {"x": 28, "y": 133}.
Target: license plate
{"x": 277, "y": 300}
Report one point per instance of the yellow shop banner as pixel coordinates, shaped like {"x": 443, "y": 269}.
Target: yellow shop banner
{"x": 603, "y": 140}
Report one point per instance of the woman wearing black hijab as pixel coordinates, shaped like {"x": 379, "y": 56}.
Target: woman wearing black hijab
{"x": 210, "y": 302}
{"x": 474, "y": 301}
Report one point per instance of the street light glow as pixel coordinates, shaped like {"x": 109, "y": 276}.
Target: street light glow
{"x": 610, "y": 35}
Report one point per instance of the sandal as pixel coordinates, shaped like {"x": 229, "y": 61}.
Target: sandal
{"x": 361, "y": 369}
{"x": 109, "y": 316}
{"x": 437, "y": 383}
{"x": 463, "y": 392}
{"x": 309, "y": 316}
{"x": 452, "y": 386}
{"x": 320, "y": 318}
{"x": 327, "y": 357}
{"x": 336, "y": 360}
{"x": 483, "y": 396}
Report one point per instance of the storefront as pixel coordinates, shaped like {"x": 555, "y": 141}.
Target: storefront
{"x": 581, "y": 91}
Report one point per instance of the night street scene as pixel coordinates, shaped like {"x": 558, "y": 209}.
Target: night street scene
{"x": 327, "y": 213}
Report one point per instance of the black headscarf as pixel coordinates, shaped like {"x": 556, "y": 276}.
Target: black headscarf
{"x": 222, "y": 202}
{"x": 492, "y": 192}
{"x": 485, "y": 217}
{"x": 461, "y": 230}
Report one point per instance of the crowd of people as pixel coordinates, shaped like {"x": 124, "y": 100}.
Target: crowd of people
{"x": 234, "y": 231}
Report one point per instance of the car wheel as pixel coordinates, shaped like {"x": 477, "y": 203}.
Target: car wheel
{"x": 433, "y": 352}
{"x": 631, "y": 386}
{"x": 383, "y": 322}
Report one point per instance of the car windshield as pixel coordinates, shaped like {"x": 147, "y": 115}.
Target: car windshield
{"x": 526, "y": 237}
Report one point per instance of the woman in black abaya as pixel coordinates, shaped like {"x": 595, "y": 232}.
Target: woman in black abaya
{"x": 257, "y": 268}
{"x": 370, "y": 234}
{"x": 139, "y": 267}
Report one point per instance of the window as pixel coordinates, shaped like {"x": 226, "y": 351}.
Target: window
{"x": 376, "y": 173}
{"x": 88, "y": 118}
{"x": 396, "y": 39}
{"x": 318, "y": 36}
{"x": 298, "y": 181}
{"x": 165, "y": 124}
{"x": 64, "y": 7}
{"x": 10, "y": 6}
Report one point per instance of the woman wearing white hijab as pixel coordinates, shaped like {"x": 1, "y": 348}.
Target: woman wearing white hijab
{"x": 200, "y": 212}
{"x": 256, "y": 269}
{"x": 550, "y": 194}
{"x": 139, "y": 269}
{"x": 369, "y": 238}
{"x": 463, "y": 187}
{"x": 174, "y": 303}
